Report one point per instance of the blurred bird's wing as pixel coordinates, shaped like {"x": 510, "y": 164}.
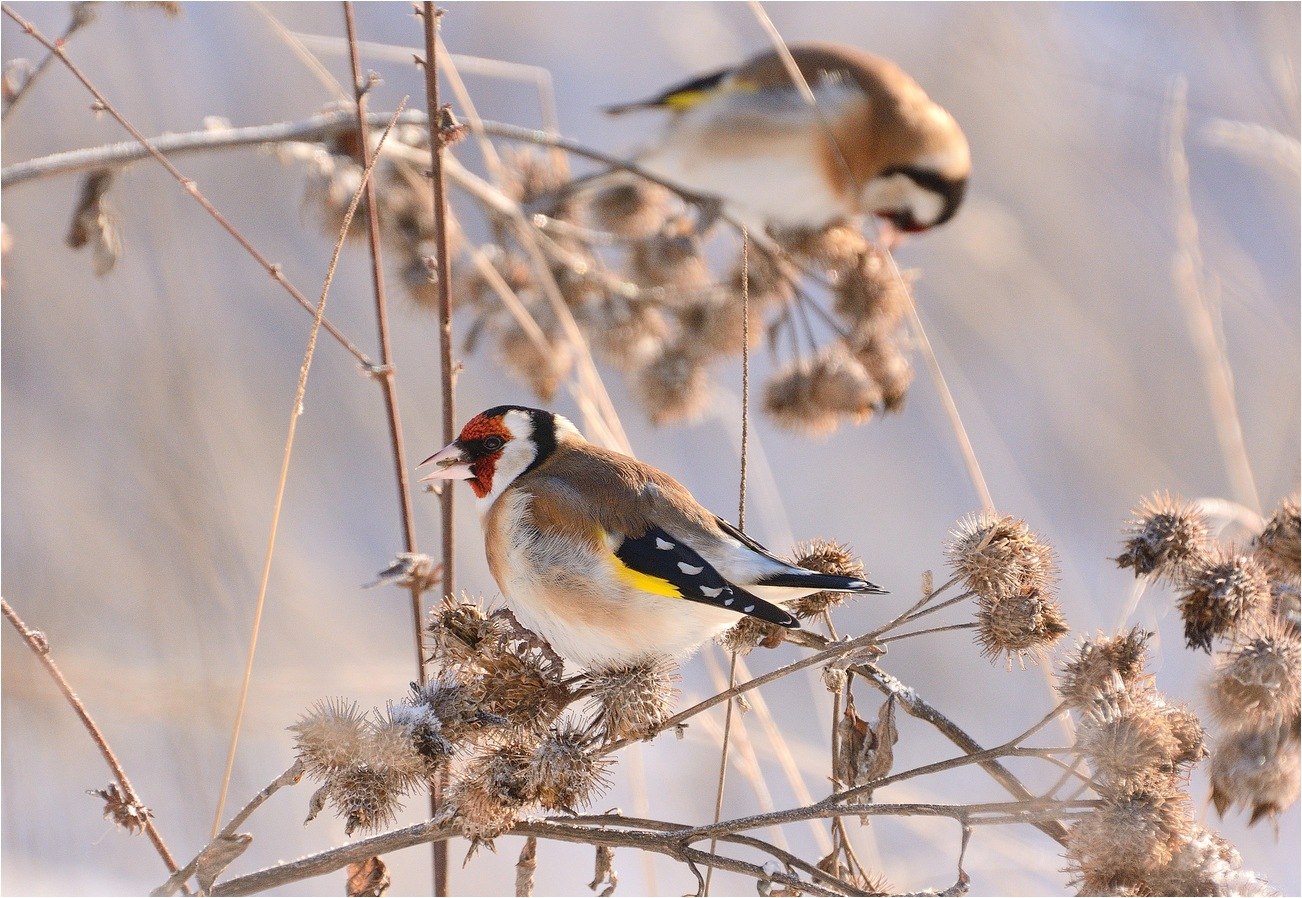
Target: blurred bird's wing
{"x": 681, "y": 96}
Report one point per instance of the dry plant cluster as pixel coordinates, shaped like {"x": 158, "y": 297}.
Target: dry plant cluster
{"x": 512, "y": 742}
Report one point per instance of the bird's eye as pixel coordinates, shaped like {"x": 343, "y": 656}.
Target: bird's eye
{"x": 492, "y": 444}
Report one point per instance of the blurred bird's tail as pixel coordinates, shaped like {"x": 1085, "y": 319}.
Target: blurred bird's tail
{"x": 822, "y": 582}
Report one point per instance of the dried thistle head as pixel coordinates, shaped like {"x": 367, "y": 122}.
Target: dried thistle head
{"x": 627, "y": 334}
{"x": 835, "y": 246}
{"x": 461, "y": 634}
{"x": 1222, "y": 591}
{"x": 490, "y": 791}
{"x": 441, "y": 715}
{"x": 367, "y": 798}
{"x": 813, "y": 395}
{"x": 869, "y": 294}
{"x": 788, "y": 400}
{"x": 881, "y": 357}
{"x": 999, "y": 557}
{"x": 827, "y": 557}
{"x": 751, "y": 633}
{"x": 1102, "y": 665}
{"x": 1279, "y": 546}
{"x": 564, "y": 772}
{"x": 712, "y": 325}
{"x": 1127, "y": 839}
{"x": 1015, "y": 626}
{"x": 124, "y": 812}
{"x": 531, "y": 175}
{"x": 1127, "y": 739}
{"x": 630, "y": 207}
{"x": 1190, "y": 737}
{"x": 670, "y": 258}
{"x": 522, "y": 684}
{"x": 630, "y": 700}
{"x": 1206, "y": 864}
{"x": 675, "y": 386}
{"x": 330, "y": 737}
{"x": 471, "y": 286}
{"x": 762, "y": 277}
{"x": 1165, "y": 537}
{"x": 543, "y": 367}
{"x": 1256, "y": 684}
{"x": 1256, "y": 769}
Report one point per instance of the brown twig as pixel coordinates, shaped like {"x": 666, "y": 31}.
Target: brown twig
{"x": 431, "y": 18}
{"x": 295, "y": 411}
{"x": 101, "y": 102}
{"x": 40, "y": 647}
{"x": 82, "y": 15}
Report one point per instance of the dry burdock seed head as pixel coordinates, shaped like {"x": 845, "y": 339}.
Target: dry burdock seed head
{"x": 627, "y": 334}
{"x": 671, "y": 258}
{"x": 1279, "y": 546}
{"x": 1017, "y": 625}
{"x": 1126, "y": 840}
{"x": 631, "y": 700}
{"x": 1206, "y": 864}
{"x": 1127, "y": 738}
{"x": 490, "y": 791}
{"x": 881, "y": 357}
{"x": 531, "y": 175}
{"x": 1165, "y": 537}
{"x": 543, "y": 367}
{"x": 330, "y": 737}
{"x": 462, "y": 634}
{"x": 1257, "y": 680}
{"x": 674, "y": 387}
{"x": 827, "y": 557}
{"x": 128, "y": 814}
{"x": 631, "y": 207}
{"x": 788, "y": 399}
{"x": 523, "y": 685}
{"x": 564, "y": 773}
{"x": 1222, "y": 592}
{"x": 712, "y": 325}
{"x": 813, "y": 395}
{"x": 440, "y": 715}
{"x": 1102, "y": 665}
{"x": 750, "y": 633}
{"x": 1256, "y": 769}
{"x": 869, "y": 294}
{"x": 999, "y": 557}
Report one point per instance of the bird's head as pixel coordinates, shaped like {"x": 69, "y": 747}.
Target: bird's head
{"x": 497, "y": 446}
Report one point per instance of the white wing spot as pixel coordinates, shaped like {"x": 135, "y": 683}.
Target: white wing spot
{"x": 858, "y": 584}
{"x": 711, "y": 593}
{"x": 749, "y": 608}
{"x": 728, "y": 601}
{"x": 690, "y": 569}
{"x": 663, "y": 544}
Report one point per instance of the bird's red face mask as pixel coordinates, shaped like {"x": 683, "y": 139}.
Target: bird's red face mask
{"x": 472, "y": 456}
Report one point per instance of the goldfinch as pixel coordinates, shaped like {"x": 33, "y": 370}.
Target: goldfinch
{"x": 608, "y": 559}
{"x": 876, "y": 143}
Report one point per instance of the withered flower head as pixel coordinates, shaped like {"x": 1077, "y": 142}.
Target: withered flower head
{"x": 522, "y": 684}
{"x": 1165, "y": 537}
{"x": 532, "y": 175}
{"x": 1190, "y": 737}
{"x": 564, "y": 772}
{"x": 814, "y": 394}
{"x": 835, "y": 246}
{"x": 627, "y": 334}
{"x": 1206, "y": 864}
{"x": 462, "y": 633}
{"x": 1257, "y": 680}
{"x": 869, "y": 294}
{"x": 671, "y": 258}
{"x": 751, "y": 633}
{"x": 999, "y": 557}
{"x": 1256, "y": 769}
{"x": 631, "y": 700}
{"x": 674, "y": 387}
{"x": 827, "y": 557}
{"x": 630, "y": 207}
{"x": 1127, "y": 839}
{"x": 440, "y": 715}
{"x": 367, "y": 798}
{"x": 1029, "y": 622}
{"x": 1223, "y": 591}
{"x": 471, "y": 286}
{"x": 1127, "y": 738}
{"x": 491, "y": 790}
{"x": 881, "y": 357}
{"x": 762, "y": 276}
{"x": 1280, "y": 545}
{"x": 1101, "y": 665}
{"x": 712, "y": 325}
{"x": 788, "y": 399}
{"x": 128, "y": 814}
{"x": 330, "y": 737}
{"x": 544, "y": 367}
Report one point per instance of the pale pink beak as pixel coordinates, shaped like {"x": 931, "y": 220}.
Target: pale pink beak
{"x": 450, "y": 464}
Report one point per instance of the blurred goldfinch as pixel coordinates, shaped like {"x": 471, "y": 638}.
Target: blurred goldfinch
{"x": 876, "y": 144}
{"x": 609, "y": 559}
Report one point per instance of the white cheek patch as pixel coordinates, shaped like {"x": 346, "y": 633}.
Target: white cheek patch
{"x": 899, "y": 192}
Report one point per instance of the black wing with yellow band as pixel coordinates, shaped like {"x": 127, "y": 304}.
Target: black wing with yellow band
{"x": 681, "y": 96}
{"x": 661, "y": 564}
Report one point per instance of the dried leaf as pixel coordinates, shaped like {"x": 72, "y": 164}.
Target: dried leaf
{"x": 885, "y": 736}
{"x": 370, "y": 877}
{"x": 316, "y": 804}
{"x": 525, "y": 867}
{"x": 867, "y": 752}
{"x": 604, "y": 872}
{"x": 217, "y": 856}
{"x": 94, "y": 222}
{"x": 410, "y": 570}
{"x": 126, "y": 813}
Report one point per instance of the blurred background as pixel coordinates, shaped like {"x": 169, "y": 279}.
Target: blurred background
{"x": 144, "y": 412}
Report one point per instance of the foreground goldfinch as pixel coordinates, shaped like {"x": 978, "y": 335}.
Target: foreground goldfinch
{"x": 609, "y": 559}
{"x": 876, "y": 144}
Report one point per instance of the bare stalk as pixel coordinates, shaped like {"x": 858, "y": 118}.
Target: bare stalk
{"x": 40, "y": 647}
{"x": 190, "y": 186}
